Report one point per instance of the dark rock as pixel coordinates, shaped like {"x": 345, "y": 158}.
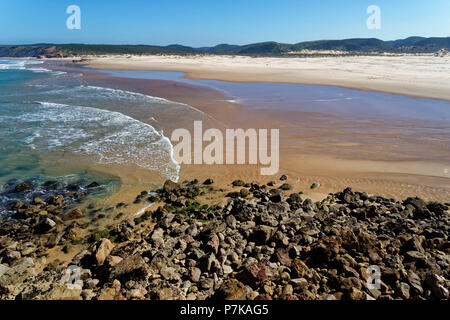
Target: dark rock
{"x": 208, "y": 182}
{"x": 238, "y": 183}
{"x": 213, "y": 243}
{"x": 73, "y": 215}
{"x": 231, "y": 290}
{"x": 262, "y": 234}
{"x": 299, "y": 268}
{"x": 283, "y": 257}
{"x": 276, "y": 195}
{"x": 437, "y": 208}
{"x": 170, "y": 186}
{"x": 45, "y": 226}
{"x": 285, "y": 186}
{"x": 93, "y": 185}
{"x": 22, "y": 187}
{"x": 415, "y": 283}
{"x": 434, "y": 282}
{"x": 244, "y": 193}
{"x": 233, "y": 195}
{"x": 131, "y": 268}
{"x": 254, "y": 275}
{"x": 415, "y": 256}
{"x": 55, "y": 200}
{"x": 49, "y": 183}
{"x": 315, "y": 186}
{"x": 413, "y": 244}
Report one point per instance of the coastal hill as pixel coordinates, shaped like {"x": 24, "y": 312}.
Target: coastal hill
{"x": 354, "y": 46}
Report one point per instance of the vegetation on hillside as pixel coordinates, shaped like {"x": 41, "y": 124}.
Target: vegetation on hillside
{"x": 371, "y": 45}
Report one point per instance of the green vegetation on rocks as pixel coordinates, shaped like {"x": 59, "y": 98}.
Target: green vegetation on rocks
{"x": 276, "y": 246}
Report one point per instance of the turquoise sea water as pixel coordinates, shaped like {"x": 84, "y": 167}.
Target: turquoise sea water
{"x": 52, "y": 122}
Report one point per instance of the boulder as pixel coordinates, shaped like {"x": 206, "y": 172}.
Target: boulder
{"x": 73, "y": 215}
{"x": 55, "y": 200}
{"x": 22, "y": 187}
{"x": 194, "y": 274}
{"x": 45, "y": 226}
{"x": 11, "y": 281}
{"x": 254, "y": 275}
{"x": 208, "y": 182}
{"x": 64, "y": 292}
{"x": 231, "y": 290}
{"x": 93, "y": 185}
{"x": 130, "y": 268}
{"x": 262, "y": 234}
{"x": 170, "y": 186}
{"x": 3, "y": 269}
{"x": 103, "y": 250}
{"x": 213, "y": 243}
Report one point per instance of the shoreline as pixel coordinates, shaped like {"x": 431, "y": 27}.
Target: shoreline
{"x": 395, "y": 75}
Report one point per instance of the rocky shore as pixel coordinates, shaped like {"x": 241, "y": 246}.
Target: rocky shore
{"x": 262, "y": 243}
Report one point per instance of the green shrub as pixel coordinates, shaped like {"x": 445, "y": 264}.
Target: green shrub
{"x": 147, "y": 215}
{"x": 238, "y": 183}
{"x": 96, "y": 236}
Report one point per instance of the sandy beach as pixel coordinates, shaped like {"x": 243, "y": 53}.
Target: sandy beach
{"x": 415, "y": 75}
{"x": 313, "y": 148}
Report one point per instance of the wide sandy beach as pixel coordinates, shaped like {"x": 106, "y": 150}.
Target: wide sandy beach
{"x": 308, "y": 152}
{"x": 415, "y": 75}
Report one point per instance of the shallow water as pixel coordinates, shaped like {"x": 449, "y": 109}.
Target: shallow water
{"x": 315, "y": 98}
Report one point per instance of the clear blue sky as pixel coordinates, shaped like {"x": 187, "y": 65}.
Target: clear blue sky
{"x": 210, "y": 22}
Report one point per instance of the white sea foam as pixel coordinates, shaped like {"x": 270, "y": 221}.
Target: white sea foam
{"x": 17, "y": 64}
{"x": 336, "y": 99}
{"x": 85, "y": 91}
{"x": 116, "y": 93}
{"x": 24, "y": 65}
{"x": 110, "y": 137}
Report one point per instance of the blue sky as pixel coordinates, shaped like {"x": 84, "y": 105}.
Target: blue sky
{"x": 210, "y": 22}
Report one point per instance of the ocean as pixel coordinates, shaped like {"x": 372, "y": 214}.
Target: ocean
{"x": 56, "y": 127}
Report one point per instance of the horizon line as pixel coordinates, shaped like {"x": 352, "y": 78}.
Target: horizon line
{"x": 211, "y": 46}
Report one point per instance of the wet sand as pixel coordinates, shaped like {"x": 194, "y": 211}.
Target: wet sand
{"x": 377, "y": 168}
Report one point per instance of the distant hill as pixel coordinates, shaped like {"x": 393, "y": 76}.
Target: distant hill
{"x": 364, "y": 45}
{"x": 370, "y": 45}
{"x": 221, "y": 49}
{"x": 420, "y": 44}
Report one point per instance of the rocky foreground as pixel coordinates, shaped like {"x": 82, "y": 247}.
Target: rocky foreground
{"x": 263, "y": 244}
